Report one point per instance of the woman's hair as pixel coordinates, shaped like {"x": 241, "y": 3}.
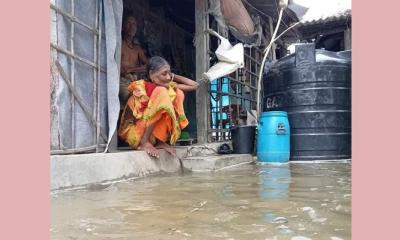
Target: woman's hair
{"x": 154, "y": 64}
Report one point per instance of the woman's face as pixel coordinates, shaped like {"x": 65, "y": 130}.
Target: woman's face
{"x": 162, "y": 76}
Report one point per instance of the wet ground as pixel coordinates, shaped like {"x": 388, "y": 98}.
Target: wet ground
{"x": 295, "y": 201}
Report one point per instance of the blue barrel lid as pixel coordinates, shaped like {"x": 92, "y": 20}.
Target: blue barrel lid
{"x": 274, "y": 113}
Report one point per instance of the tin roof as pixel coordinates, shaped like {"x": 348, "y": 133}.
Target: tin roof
{"x": 316, "y": 11}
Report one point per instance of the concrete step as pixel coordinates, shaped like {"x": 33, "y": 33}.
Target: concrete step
{"x": 216, "y": 162}
{"x": 69, "y": 171}
{"x": 80, "y": 170}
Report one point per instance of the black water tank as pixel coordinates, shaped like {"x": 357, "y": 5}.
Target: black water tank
{"x": 314, "y": 88}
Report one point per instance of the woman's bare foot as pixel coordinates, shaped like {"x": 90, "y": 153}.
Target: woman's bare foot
{"x": 167, "y": 147}
{"x": 150, "y": 149}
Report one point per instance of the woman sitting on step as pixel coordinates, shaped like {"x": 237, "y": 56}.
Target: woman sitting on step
{"x": 154, "y": 112}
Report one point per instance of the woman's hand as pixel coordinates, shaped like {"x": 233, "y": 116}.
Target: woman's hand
{"x": 184, "y": 83}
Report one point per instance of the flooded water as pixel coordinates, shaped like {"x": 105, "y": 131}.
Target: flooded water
{"x": 295, "y": 201}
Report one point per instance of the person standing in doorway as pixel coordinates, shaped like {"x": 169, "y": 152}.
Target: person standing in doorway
{"x": 133, "y": 58}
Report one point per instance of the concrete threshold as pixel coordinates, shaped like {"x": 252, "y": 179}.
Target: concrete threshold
{"x": 69, "y": 171}
{"x": 92, "y": 170}
{"x": 217, "y": 162}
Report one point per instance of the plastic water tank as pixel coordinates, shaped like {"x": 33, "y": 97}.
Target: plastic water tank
{"x": 314, "y": 88}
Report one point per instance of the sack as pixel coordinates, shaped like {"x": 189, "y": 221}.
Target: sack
{"x": 230, "y": 58}
{"x": 236, "y": 16}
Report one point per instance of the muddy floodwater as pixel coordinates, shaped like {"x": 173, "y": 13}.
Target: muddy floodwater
{"x": 297, "y": 201}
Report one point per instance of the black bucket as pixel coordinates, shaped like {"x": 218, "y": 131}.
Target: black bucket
{"x": 243, "y": 139}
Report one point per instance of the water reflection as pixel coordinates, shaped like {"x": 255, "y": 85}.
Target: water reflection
{"x": 275, "y": 181}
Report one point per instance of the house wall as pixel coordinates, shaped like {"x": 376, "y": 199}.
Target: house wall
{"x": 80, "y": 93}
{"x": 54, "y": 137}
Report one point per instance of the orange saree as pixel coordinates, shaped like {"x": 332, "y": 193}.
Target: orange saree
{"x": 150, "y": 104}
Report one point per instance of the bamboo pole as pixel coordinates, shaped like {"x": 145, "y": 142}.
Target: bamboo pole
{"x": 72, "y": 73}
{"x": 73, "y": 18}
{"x": 100, "y": 20}
{"x": 77, "y": 97}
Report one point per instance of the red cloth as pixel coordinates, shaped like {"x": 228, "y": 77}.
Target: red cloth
{"x": 149, "y": 86}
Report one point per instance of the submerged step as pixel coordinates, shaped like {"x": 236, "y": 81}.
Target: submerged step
{"x": 216, "y": 162}
{"x": 71, "y": 171}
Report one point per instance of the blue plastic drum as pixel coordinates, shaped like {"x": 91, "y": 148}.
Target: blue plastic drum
{"x": 273, "y": 140}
